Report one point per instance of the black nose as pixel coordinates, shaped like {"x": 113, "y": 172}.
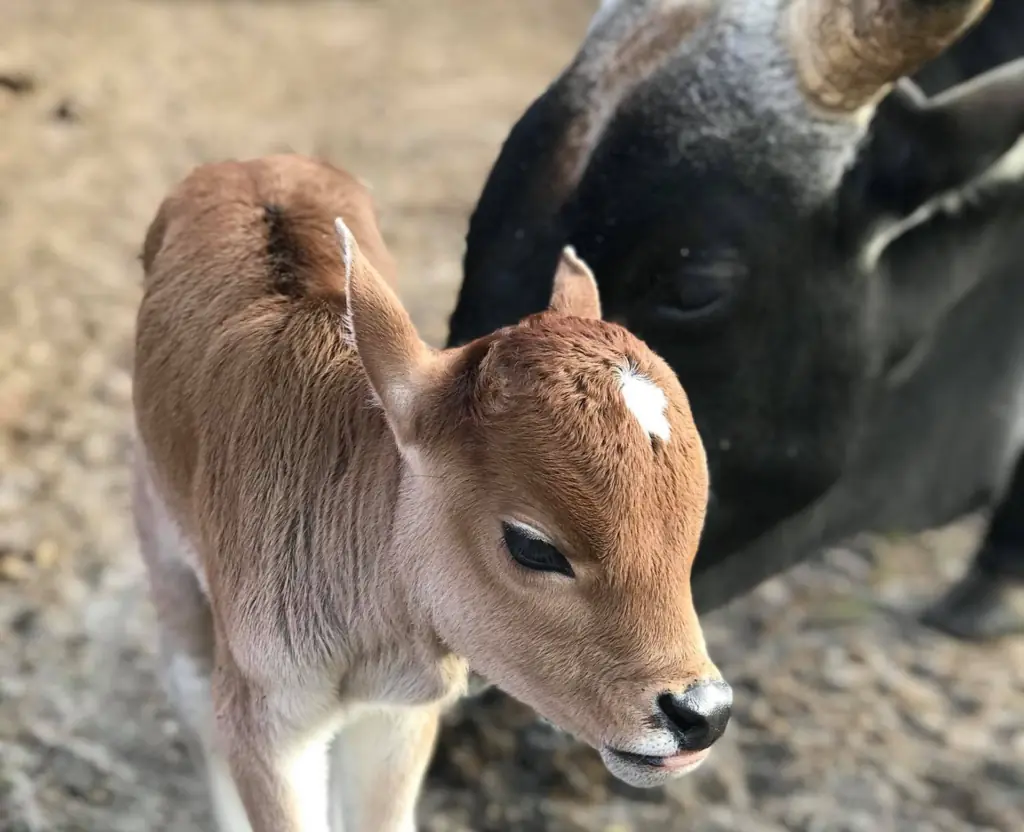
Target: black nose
{"x": 698, "y": 715}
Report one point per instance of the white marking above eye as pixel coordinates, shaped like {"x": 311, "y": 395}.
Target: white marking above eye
{"x": 645, "y": 400}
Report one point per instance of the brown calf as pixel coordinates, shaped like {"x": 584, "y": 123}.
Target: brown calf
{"x": 337, "y": 518}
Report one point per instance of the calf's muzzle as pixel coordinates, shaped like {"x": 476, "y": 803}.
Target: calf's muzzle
{"x": 699, "y": 715}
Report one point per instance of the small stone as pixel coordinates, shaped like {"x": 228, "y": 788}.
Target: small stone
{"x": 16, "y": 533}
{"x": 1004, "y": 773}
{"x": 78, "y": 777}
{"x": 24, "y": 622}
{"x": 46, "y": 554}
{"x": 14, "y": 569}
{"x": 119, "y": 386}
{"x": 66, "y": 111}
{"x": 97, "y": 448}
{"x": 760, "y": 714}
{"x": 101, "y": 797}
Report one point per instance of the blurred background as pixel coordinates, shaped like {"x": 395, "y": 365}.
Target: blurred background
{"x": 849, "y": 715}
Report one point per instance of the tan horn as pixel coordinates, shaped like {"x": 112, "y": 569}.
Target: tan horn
{"x": 849, "y": 52}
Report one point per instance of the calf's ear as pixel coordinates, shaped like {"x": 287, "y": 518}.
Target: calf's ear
{"x": 396, "y": 360}
{"x": 575, "y": 289}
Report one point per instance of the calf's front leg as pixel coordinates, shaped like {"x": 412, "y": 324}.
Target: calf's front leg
{"x": 279, "y": 768}
{"x": 379, "y": 761}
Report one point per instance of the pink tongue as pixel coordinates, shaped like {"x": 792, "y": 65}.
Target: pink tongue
{"x": 683, "y": 760}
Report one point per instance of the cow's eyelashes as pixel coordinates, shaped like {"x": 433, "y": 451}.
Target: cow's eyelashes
{"x": 531, "y": 551}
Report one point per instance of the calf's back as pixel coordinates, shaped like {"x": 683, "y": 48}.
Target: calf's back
{"x": 241, "y": 363}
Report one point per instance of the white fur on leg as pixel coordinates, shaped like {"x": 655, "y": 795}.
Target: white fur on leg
{"x": 191, "y": 690}
{"x": 228, "y": 810}
{"x": 379, "y": 762}
{"x": 306, "y": 772}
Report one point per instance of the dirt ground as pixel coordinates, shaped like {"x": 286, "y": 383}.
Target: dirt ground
{"x": 849, "y": 716}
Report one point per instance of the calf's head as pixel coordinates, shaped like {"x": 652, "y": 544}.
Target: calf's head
{"x": 726, "y": 169}
{"x": 554, "y": 498}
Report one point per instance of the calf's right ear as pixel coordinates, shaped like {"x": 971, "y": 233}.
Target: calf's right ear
{"x": 575, "y": 291}
{"x": 396, "y": 360}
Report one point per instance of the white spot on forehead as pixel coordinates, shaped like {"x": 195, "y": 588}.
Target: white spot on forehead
{"x": 645, "y": 400}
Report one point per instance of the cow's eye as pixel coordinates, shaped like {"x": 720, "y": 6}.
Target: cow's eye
{"x": 690, "y": 292}
{"x": 528, "y": 549}
{"x": 703, "y": 284}
{"x": 698, "y": 291}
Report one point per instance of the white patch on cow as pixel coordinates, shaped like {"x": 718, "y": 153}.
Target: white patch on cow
{"x": 1008, "y": 169}
{"x": 646, "y": 401}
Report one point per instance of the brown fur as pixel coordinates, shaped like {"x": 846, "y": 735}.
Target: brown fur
{"x": 319, "y": 498}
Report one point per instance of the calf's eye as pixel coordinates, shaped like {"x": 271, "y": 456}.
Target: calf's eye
{"x": 531, "y": 551}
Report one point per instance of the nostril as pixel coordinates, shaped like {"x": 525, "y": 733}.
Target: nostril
{"x": 699, "y": 715}
{"x": 685, "y": 721}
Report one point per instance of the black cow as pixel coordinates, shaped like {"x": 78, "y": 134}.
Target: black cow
{"x": 833, "y": 271}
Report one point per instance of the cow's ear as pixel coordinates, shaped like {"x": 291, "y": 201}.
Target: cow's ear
{"x": 924, "y": 148}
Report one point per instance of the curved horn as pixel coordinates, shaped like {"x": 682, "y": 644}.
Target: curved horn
{"x": 848, "y": 52}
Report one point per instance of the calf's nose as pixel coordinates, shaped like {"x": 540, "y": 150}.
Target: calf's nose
{"x": 699, "y": 714}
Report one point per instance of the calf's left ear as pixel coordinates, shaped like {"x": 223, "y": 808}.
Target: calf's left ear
{"x": 398, "y": 363}
{"x": 575, "y": 291}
